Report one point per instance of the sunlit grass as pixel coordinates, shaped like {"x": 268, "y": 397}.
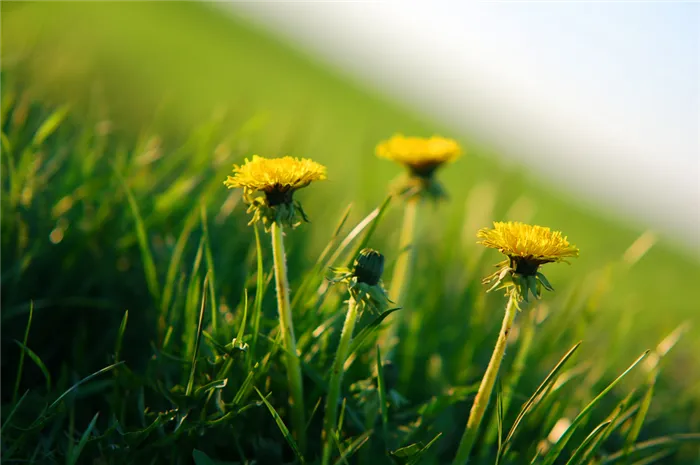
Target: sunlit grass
{"x": 139, "y": 317}
{"x": 180, "y": 373}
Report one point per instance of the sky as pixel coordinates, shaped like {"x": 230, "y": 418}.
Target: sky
{"x": 602, "y": 98}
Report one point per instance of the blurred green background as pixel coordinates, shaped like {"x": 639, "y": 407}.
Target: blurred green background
{"x": 171, "y": 95}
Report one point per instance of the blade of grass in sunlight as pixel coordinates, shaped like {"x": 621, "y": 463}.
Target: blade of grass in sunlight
{"x": 175, "y": 260}
{"x": 149, "y": 266}
{"x": 50, "y": 125}
{"x": 198, "y": 338}
{"x": 527, "y": 408}
{"x": 561, "y": 443}
{"x": 670, "y": 441}
{"x": 579, "y": 453}
{"x": 210, "y": 269}
{"x": 316, "y": 272}
{"x": 370, "y": 230}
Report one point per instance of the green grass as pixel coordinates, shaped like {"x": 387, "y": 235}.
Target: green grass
{"x": 103, "y": 219}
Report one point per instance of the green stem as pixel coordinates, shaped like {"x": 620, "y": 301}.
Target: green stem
{"x": 527, "y": 332}
{"x": 296, "y": 387}
{"x": 331, "y": 415}
{"x": 402, "y": 273}
{"x": 259, "y": 292}
{"x": 483, "y": 395}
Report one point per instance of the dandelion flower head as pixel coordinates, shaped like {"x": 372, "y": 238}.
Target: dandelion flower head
{"x": 278, "y": 178}
{"x": 523, "y": 242}
{"x": 420, "y": 154}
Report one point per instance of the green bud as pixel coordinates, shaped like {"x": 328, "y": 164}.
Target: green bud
{"x": 369, "y": 266}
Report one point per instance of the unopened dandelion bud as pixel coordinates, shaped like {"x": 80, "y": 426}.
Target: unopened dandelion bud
{"x": 369, "y": 266}
{"x": 364, "y": 280}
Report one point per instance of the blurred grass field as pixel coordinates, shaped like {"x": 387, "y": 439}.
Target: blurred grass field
{"x": 157, "y": 100}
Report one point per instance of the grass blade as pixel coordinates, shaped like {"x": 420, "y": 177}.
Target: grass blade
{"x": 83, "y": 381}
{"x": 381, "y": 392}
{"x": 192, "y": 303}
{"x": 75, "y": 452}
{"x": 200, "y": 458}
{"x": 616, "y": 419}
{"x": 558, "y": 447}
{"x": 175, "y": 259}
{"x": 417, "y": 457}
{"x": 316, "y": 272}
{"x": 578, "y": 455}
{"x": 209, "y": 258}
{"x": 654, "y": 458}
{"x": 531, "y": 401}
{"x": 283, "y": 428}
{"x": 20, "y": 366}
{"x": 369, "y": 329}
{"x": 120, "y": 336}
{"x": 15, "y": 407}
{"x": 35, "y": 358}
{"x": 357, "y": 230}
{"x": 354, "y": 446}
{"x": 664, "y": 441}
{"x": 149, "y": 266}
{"x": 653, "y": 366}
{"x": 198, "y": 339}
{"x": 50, "y": 125}
{"x": 370, "y": 230}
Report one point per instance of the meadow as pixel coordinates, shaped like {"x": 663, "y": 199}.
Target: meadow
{"x": 139, "y": 313}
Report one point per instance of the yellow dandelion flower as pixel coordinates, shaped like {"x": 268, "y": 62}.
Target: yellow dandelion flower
{"x": 535, "y": 244}
{"x": 277, "y": 179}
{"x": 527, "y": 247}
{"x": 421, "y": 155}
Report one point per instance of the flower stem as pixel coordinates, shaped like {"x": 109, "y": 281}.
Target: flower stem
{"x": 483, "y": 395}
{"x": 526, "y": 336}
{"x": 296, "y": 387}
{"x": 402, "y": 272}
{"x": 331, "y": 415}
